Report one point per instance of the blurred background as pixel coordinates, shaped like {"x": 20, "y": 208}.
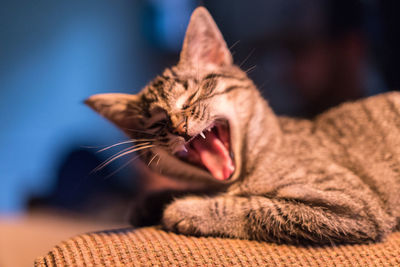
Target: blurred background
{"x": 305, "y": 56}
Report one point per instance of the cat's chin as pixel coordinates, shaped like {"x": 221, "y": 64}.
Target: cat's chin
{"x": 211, "y": 150}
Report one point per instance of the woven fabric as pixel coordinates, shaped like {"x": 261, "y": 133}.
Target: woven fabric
{"x": 154, "y": 247}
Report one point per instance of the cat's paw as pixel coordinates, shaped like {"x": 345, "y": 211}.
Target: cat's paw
{"x": 186, "y": 216}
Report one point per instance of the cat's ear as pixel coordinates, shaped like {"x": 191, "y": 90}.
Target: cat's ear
{"x": 121, "y": 109}
{"x": 204, "y": 44}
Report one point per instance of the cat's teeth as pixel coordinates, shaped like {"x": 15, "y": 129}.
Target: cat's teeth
{"x": 184, "y": 148}
{"x": 209, "y": 129}
{"x": 202, "y": 135}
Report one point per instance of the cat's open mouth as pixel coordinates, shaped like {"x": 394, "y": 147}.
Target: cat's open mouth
{"x": 211, "y": 150}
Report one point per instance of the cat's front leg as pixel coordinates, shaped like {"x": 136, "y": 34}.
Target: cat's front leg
{"x": 278, "y": 220}
{"x": 216, "y": 216}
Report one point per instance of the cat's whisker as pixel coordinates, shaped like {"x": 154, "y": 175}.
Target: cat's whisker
{"x": 158, "y": 161}
{"x": 262, "y": 86}
{"x": 121, "y": 154}
{"x": 125, "y": 142}
{"x": 159, "y": 169}
{"x": 250, "y": 69}
{"x": 234, "y": 44}
{"x": 116, "y": 154}
{"x": 248, "y": 56}
{"x": 148, "y": 164}
{"x": 123, "y": 166}
{"x": 131, "y": 147}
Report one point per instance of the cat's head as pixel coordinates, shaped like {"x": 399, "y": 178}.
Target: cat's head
{"x": 191, "y": 119}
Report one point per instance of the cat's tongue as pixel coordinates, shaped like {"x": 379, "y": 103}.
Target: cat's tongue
{"x": 214, "y": 155}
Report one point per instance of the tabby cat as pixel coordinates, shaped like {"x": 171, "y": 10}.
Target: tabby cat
{"x": 335, "y": 178}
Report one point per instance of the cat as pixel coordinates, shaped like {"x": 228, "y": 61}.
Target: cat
{"x": 332, "y": 179}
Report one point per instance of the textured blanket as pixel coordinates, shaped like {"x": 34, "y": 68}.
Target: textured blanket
{"x": 155, "y": 247}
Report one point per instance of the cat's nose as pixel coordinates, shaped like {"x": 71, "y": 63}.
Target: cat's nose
{"x": 178, "y": 123}
{"x": 179, "y": 127}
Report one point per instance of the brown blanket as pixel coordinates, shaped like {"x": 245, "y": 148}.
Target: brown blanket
{"x": 154, "y": 247}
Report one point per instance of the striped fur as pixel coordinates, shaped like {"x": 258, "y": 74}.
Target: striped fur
{"x": 332, "y": 179}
